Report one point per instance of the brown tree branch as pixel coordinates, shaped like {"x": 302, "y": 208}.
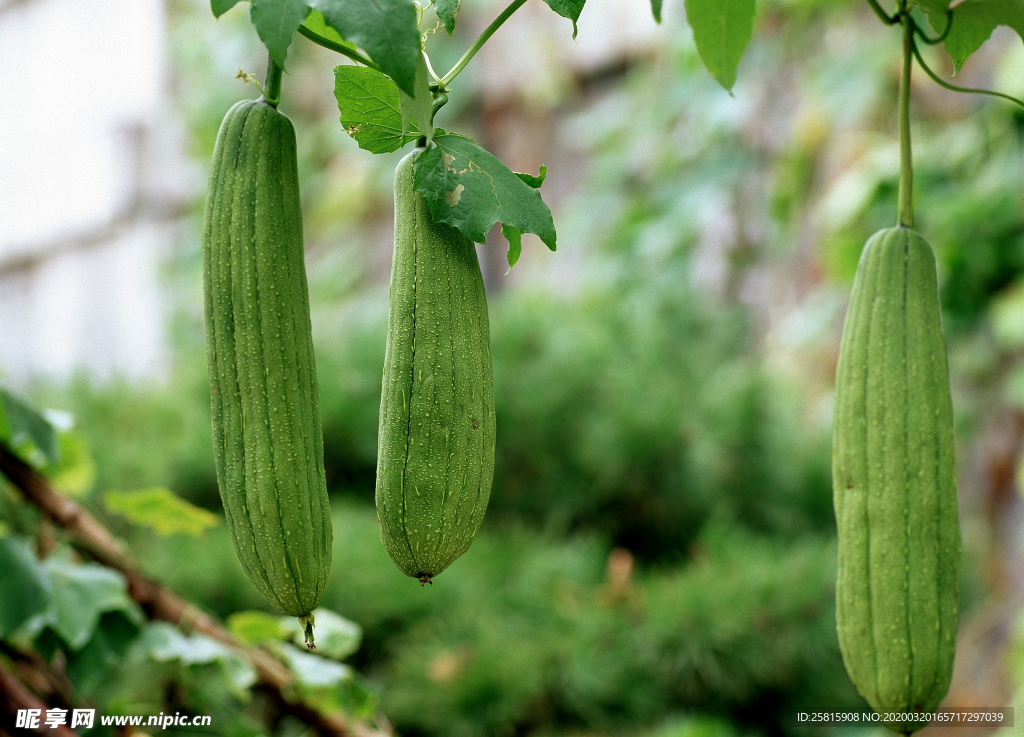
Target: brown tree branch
{"x": 161, "y": 603}
{"x": 14, "y": 696}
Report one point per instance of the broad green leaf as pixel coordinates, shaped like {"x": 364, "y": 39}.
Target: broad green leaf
{"x": 81, "y": 594}
{"x": 446, "y": 10}
{"x": 369, "y": 105}
{"x": 385, "y": 29}
{"x": 162, "y": 510}
{"x": 276, "y": 22}
{"x": 656, "y": 9}
{"x": 721, "y": 30}
{"x": 973, "y": 23}
{"x": 316, "y": 23}
{"x": 75, "y": 473}
{"x": 253, "y": 627}
{"x": 418, "y": 108}
{"x": 24, "y": 585}
{"x": 220, "y": 7}
{"x": 534, "y": 181}
{"x": 91, "y": 665}
{"x": 164, "y": 643}
{"x": 470, "y": 189}
{"x": 570, "y": 9}
{"x": 336, "y": 637}
{"x": 312, "y": 670}
{"x": 31, "y": 436}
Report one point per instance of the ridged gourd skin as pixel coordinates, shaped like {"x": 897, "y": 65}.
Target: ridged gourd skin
{"x": 267, "y": 436}
{"x": 435, "y": 459}
{"x": 894, "y": 483}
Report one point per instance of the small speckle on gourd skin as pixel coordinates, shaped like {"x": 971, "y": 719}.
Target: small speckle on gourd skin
{"x": 433, "y": 475}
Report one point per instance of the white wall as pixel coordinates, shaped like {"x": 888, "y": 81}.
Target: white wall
{"x": 88, "y": 191}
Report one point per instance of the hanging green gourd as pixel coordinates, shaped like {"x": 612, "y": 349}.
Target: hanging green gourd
{"x": 893, "y": 469}
{"x": 267, "y": 436}
{"x": 435, "y": 457}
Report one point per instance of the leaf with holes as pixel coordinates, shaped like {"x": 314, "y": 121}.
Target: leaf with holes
{"x": 471, "y": 189}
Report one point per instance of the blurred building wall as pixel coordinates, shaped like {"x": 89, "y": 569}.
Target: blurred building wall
{"x": 90, "y": 184}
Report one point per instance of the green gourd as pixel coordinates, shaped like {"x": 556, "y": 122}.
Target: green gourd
{"x": 267, "y": 436}
{"x": 894, "y": 483}
{"x": 435, "y": 458}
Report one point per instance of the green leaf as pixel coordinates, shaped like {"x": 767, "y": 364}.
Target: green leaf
{"x": 24, "y": 585}
{"x": 515, "y": 244}
{"x": 312, "y": 670}
{"x": 162, "y": 510}
{"x": 419, "y": 108}
{"x": 220, "y": 7}
{"x": 91, "y": 666}
{"x": 81, "y": 594}
{"x": 721, "y": 30}
{"x": 164, "y": 643}
{"x": 317, "y": 24}
{"x": 276, "y": 22}
{"x": 570, "y": 9}
{"x": 973, "y": 23}
{"x": 446, "y": 10}
{"x": 75, "y": 473}
{"x": 534, "y": 181}
{"x": 656, "y": 9}
{"x": 470, "y": 189}
{"x": 254, "y": 627}
{"x": 369, "y": 105}
{"x": 31, "y": 436}
{"x": 385, "y": 29}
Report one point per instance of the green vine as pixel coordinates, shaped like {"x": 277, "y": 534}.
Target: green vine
{"x": 480, "y": 41}
{"x": 906, "y": 192}
{"x": 971, "y": 90}
{"x": 344, "y": 50}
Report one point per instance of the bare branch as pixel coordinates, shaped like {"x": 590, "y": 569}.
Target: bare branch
{"x": 161, "y": 603}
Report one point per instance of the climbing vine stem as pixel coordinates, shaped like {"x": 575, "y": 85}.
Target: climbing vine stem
{"x": 333, "y": 46}
{"x": 480, "y": 41}
{"x": 889, "y": 21}
{"x": 906, "y": 192}
{"x": 971, "y": 90}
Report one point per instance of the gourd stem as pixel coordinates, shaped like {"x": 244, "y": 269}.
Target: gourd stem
{"x": 480, "y": 41}
{"x": 272, "y": 87}
{"x": 905, "y": 213}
